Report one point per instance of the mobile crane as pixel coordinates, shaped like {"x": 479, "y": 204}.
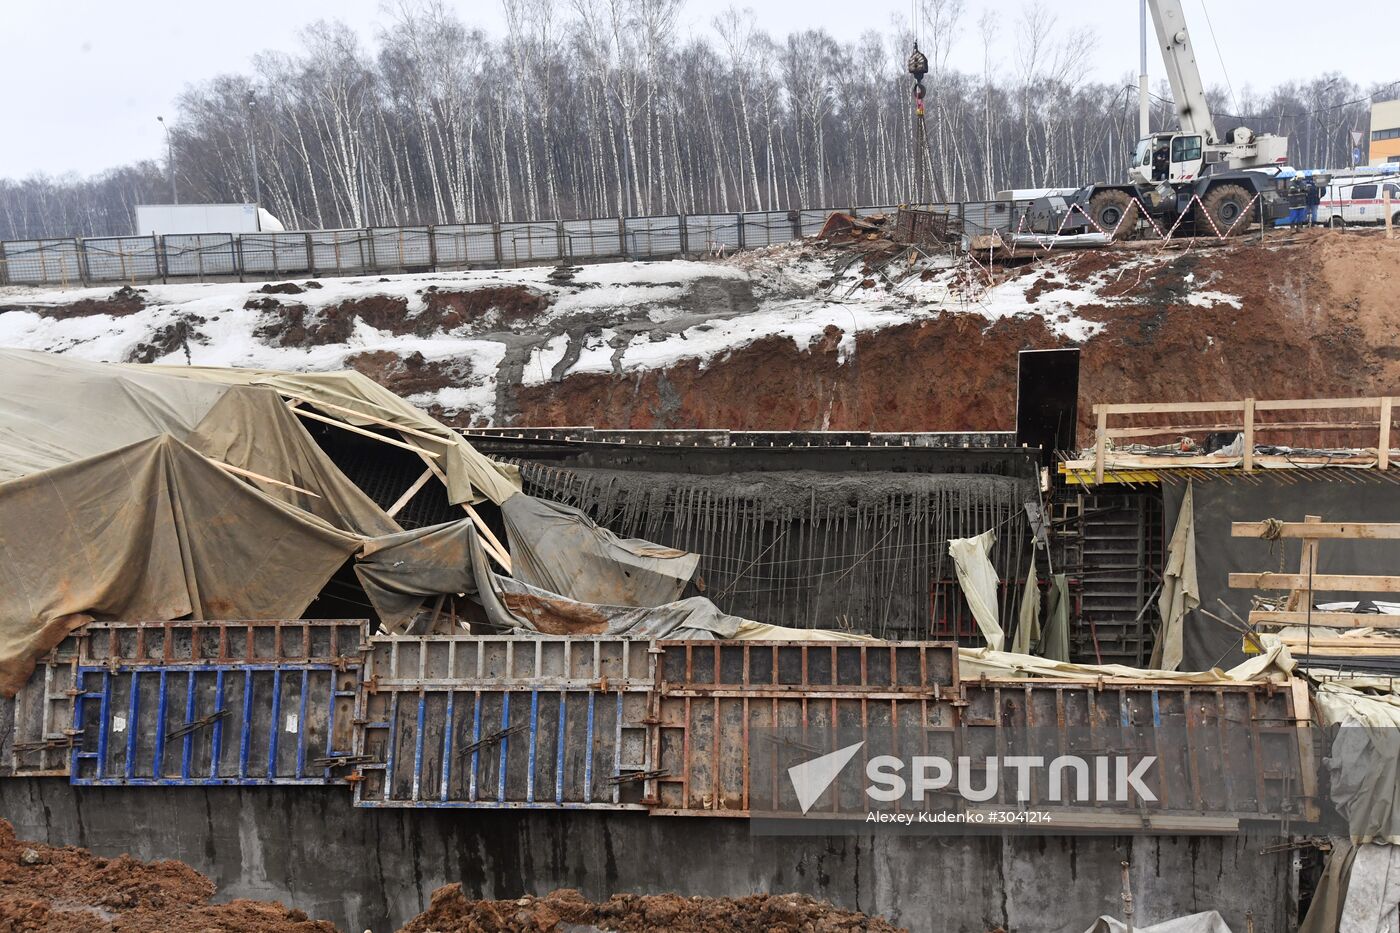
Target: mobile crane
{"x": 1213, "y": 180}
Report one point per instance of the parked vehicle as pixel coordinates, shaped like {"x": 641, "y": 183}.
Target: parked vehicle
{"x": 1359, "y": 200}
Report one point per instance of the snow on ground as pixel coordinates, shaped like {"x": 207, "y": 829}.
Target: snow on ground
{"x": 603, "y": 318}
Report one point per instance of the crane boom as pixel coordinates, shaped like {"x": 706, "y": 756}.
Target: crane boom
{"x": 1179, "y": 57}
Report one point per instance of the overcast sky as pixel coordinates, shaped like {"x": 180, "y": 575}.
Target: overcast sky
{"x": 87, "y": 78}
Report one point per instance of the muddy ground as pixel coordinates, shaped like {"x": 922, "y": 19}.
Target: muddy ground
{"x": 452, "y": 911}
{"x": 47, "y": 889}
{"x": 70, "y": 890}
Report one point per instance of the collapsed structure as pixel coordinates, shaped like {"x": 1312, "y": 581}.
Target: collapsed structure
{"x": 219, "y": 579}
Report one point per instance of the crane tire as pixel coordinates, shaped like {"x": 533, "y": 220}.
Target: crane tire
{"x": 1225, "y": 206}
{"x": 1115, "y": 213}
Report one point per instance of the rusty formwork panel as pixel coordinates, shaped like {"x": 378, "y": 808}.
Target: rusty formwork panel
{"x": 37, "y": 730}
{"x": 36, "y": 725}
{"x": 709, "y": 696}
{"x": 325, "y": 641}
{"x": 504, "y": 722}
{"x": 1225, "y": 752}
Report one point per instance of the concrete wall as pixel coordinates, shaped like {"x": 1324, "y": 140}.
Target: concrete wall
{"x": 373, "y": 869}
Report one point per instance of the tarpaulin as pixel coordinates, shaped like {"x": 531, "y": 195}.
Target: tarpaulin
{"x": 471, "y": 476}
{"x": 1274, "y": 664}
{"x": 1180, "y": 594}
{"x": 978, "y": 579}
{"x": 399, "y": 573}
{"x": 1209, "y": 921}
{"x": 1329, "y": 897}
{"x": 153, "y": 530}
{"x": 1027, "y": 634}
{"x": 560, "y": 549}
{"x": 1364, "y": 762}
{"x": 1054, "y": 640}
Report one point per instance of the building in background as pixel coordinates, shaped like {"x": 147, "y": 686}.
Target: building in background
{"x": 1385, "y": 132}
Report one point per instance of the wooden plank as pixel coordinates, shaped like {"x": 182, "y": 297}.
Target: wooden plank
{"x": 488, "y": 539}
{"x": 409, "y": 493}
{"x": 1383, "y": 448}
{"x": 1157, "y": 408}
{"x": 1249, "y": 435}
{"x": 1321, "y": 582}
{"x": 249, "y": 474}
{"x": 1314, "y": 404}
{"x": 1100, "y": 445}
{"x": 1378, "y": 531}
{"x": 1307, "y": 568}
{"x": 1303, "y": 718}
{"x": 382, "y": 422}
{"x": 1259, "y": 426}
{"x": 303, "y": 413}
{"x": 1354, "y": 645}
{"x": 1279, "y": 618}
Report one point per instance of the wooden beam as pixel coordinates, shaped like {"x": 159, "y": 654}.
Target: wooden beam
{"x": 409, "y": 493}
{"x": 1281, "y": 618}
{"x": 1378, "y": 531}
{"x": 382, "y": 422}
{"x": 249, "y": 474}
{"x": 302, "y": 412}
{"x": 1248, "y": 444}
{"x": 1383, "y": 448}
{"x": 1100, "y": 446}
{"x": 1157, "y": 408}
{"x": 493, "y": 546}
{"x": 1344, "y": 645}
{"x": 1315, "y": 404}
{"x": 1259, "y": 427}
{"x": 1323, "y": 582}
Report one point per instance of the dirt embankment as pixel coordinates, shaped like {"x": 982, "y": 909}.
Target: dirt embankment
{"x": 1316, "y": 318}
{"x": 452, "y": 912}
{"x": 69, "y": 890}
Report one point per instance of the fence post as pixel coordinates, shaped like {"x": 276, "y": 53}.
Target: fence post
{"x": 795, "y": 215}
{"x": 310, "y": 257}
{"x": 622, "y": 235}
{"x": 162, "y": 259}
{"x": 238, "y": 256}
{"x": 4, "y": 266}
{"x": 739, "y": 225}
{"x": 373, "y": 260}
{"x": 559, "y": 237}
{"x": 80, "y": 251}
{"x": 496, "y": 243}
{"x": 432, "y": 247}
{"x": 684, "y": 236}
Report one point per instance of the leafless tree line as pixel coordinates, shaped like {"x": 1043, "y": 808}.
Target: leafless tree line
{"x": 599, "y": 107}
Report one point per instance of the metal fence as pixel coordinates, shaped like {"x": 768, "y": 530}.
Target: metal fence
{"x": 371, "y": 250}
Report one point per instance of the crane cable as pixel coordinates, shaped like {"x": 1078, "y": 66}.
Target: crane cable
{"x": 1216, "y": 42}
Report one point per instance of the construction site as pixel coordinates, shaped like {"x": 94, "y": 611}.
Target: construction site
{"x": 985, "y": 567}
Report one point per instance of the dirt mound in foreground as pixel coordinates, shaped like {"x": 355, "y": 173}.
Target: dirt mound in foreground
{"x": 452, "y": 912}
{"x": 69, "y": 890}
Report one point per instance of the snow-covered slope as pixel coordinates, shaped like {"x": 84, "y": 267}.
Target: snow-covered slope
{"x": 457, "y": 341}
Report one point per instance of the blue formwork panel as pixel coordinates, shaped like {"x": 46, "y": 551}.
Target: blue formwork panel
{"x": 220, "y": 724}
{"x": 504, "y": 722}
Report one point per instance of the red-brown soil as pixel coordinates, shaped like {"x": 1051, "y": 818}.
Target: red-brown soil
{"x": 1317, "y": 319}
{"x": 452, "y": 912}
{"x": 69, "y": 890}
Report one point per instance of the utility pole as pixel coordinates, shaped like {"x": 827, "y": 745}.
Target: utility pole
{"x": 169, "y": 161}
{"x": 1144, "y": 104}
{"x": 253, "y": 147}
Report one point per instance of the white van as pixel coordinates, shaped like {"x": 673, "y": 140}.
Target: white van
{"x": 1359, "y": 200}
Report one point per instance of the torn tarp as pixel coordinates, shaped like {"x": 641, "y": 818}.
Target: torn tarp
{"x": 561, "y": 550}
{"x": 978, "y": 579}
{"x": 402, "y": 571}
{"x": 1180, "y": 592}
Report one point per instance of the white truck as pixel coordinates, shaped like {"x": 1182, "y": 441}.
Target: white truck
{"x": 161, "y": 219}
